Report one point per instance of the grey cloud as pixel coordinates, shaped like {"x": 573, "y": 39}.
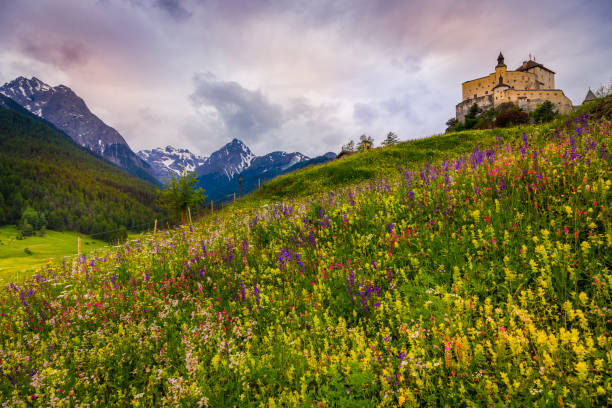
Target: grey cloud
{"x": 397, "y": 106}
{"x": 364, "y": 113}
{"x": 64, "y": 55}
{"x": 245, "y": 113}
{"x": 174, "y": 8}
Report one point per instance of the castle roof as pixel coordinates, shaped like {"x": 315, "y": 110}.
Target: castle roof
{"x": 527, "y": 65}
{"x": 590, "y": 96}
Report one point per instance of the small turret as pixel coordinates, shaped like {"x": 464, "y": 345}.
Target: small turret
{"x": 590, "y": 96}
{"x": 500, "y": 60}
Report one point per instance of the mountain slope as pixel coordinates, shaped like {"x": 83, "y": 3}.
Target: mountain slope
{"x": 41, "y": 167}
{"x": 68, "y": 112}
{"x": 229, "y": 160}
{"x": 169, "y": 161}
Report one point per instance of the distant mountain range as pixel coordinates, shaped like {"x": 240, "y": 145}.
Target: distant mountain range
{"x": 169, "y": 161}
{"x": 219, "y": 173}
{"x": 68, "y": 112}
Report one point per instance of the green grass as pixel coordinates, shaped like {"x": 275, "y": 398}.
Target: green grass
{"x": 381, "y": 162}
{"x": 17, "y": 265}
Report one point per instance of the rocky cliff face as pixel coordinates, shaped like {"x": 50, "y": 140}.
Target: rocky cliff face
{"x": 68, "y": 112}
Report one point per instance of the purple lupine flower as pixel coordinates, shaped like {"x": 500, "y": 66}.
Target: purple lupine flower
{"x": 242, "y": 292}
{"x": 256, "y": 292}
{"x": 299, "y": 262}
{"x": 351, "y": 282}
{"x": 390, "y": 227}
{"x": 312, "y": 240}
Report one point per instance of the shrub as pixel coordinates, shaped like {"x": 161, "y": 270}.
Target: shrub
{"x": 545, "y": 112}
{"x": 511, "y": 117}
{"x": 470, "y": 118}
{"x": 31, "y": 221}
{"x": 485, "y": 120}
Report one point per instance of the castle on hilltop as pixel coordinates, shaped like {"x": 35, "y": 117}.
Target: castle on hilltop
{"x": 528, "y": 86}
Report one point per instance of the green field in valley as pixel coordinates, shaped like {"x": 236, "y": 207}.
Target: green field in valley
{"x": 16, "y": 264}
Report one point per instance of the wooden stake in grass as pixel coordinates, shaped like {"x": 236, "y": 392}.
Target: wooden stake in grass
{"x": 78, "y": 245}
{"x": 189, "y": 212}
{"x": 155, "y": 227}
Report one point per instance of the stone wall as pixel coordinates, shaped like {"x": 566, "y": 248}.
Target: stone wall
{"x": 484, "y": 102}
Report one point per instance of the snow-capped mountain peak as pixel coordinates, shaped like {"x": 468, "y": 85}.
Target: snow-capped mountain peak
{"x": 63, "y": 108}
{"x": 229, "y": 160}
{"x": 170, "y": 161}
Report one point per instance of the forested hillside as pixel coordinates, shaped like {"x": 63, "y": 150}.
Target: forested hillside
{"x": 71, "y": 189}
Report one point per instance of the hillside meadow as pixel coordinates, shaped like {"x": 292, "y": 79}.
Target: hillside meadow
{"x": 478, "y": 275}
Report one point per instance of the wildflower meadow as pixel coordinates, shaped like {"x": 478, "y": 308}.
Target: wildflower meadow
{"x": 478, "y": 280}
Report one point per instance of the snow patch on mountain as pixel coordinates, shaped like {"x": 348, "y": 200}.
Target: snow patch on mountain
{"x": 169, "y": 161}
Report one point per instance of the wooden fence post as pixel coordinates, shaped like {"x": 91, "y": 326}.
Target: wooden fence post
{"x": 155, "y": 227}
{"x": 189, "y": 212}
{"x": 78, "y": 245}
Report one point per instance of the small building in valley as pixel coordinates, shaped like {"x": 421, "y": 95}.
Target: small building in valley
{"x": 528, "y": 86}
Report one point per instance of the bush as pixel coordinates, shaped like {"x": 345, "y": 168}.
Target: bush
{"x": 470, "y": 118}
{"x": 545, "y": 112}
{"x": 511, "y": 117}
{"x": 485, "y": 120}
{"x": 28, "y": 251}
{"x": 31, "y": 221}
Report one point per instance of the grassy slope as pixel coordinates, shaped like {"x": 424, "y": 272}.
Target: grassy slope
{"x": 471, "y": 292}
{"x": 16, "y": 265}
{"x": 381, "y": 162}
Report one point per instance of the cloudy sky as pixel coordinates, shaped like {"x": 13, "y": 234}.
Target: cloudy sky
{"x": 292, "y": 75}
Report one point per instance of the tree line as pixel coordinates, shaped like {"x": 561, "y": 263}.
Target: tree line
{"x": 49, "y": 182}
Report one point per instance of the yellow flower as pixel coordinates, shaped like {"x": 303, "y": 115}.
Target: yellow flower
{"x": 582, "y": 368}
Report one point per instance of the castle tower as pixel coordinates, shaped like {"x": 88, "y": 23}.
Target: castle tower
{"x": 500, "y": 68}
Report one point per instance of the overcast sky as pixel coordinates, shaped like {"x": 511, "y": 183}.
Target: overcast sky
{"x": 292, "y": 75}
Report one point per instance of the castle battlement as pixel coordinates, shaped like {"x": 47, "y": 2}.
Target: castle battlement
{"x": 528, "y": 86}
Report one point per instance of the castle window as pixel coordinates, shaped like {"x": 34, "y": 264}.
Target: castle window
{"x": 486, "y": 92}
{"x": 474, "y": 95}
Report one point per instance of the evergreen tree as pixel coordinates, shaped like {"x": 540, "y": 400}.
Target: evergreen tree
{"x": 545, "y": 112}
{"x": 391, "y": 139}
{"x": 365, "y": 143}
{"x": 349, "y": 147}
